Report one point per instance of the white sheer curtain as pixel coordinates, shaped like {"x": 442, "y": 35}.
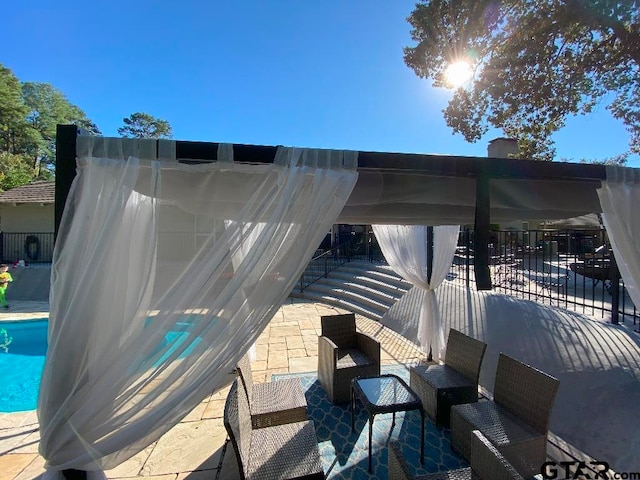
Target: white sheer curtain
{"x": 405, "y": 248}
{"x": 620, "y": 201}
{"x": 155, "y": 294}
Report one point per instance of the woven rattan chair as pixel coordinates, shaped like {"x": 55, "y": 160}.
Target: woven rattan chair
{"x": 516, "y": 421}
{"x": 487, "y": 463}
{"x": 343, "y": 354}
{"x": 280, "y": 452}
{"x": 455, "y": 382}
{"x": 272, "y": 403}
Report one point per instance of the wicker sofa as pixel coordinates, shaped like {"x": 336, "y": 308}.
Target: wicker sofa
{"x": 272, "y": 403}
{"x": 288, "y": 451}
{"x": 487, "y": 463}
{"x": 343, "y": 354}
{"x": 441, "y": 386}
{"x": 516, "y": 421}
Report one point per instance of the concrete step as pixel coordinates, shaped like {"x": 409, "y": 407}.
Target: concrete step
{"x": 362, "y": 287}
{"x": 354, "y": 294}
{"x": 343, "y": 303}
{"x": 373, "y": 290}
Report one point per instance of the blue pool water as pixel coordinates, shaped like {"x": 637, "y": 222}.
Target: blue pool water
{"x": 21, "y": 366}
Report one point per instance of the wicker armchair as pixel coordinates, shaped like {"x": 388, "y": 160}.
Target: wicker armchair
{"x": 272, "y": 403}
{"x": 441, "y": 386}
{"x": 280, "y": 452}
{"x": 516, "y": 421}
{"x": 344, "y": 354}
{"x": 487, "y": 463}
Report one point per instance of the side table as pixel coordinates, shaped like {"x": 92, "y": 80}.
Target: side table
{"x": 385, "y": 394}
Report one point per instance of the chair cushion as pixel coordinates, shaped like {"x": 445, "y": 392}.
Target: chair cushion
{"x": 352, "y": 357}
{"x": 442, "y": 376}
{"x": 285, "y": 451}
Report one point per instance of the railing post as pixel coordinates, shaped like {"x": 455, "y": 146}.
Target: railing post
{"x": 614, "y": 273}
{"x": 468, "y": 256}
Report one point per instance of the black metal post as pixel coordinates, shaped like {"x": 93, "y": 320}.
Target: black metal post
{"x": 429, "y": 253}
{"x": 614, "y": 274}
{"x": 481, "y": 234}
{"x": 467, "y": 242}
{"x": 66, "y": 136}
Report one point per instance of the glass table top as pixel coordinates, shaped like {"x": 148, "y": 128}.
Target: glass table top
{"x": 386, "y": 390}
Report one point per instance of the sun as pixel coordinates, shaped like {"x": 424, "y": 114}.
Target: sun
{"x": 458, "y": 73}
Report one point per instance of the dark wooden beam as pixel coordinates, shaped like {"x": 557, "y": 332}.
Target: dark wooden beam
{"x": 427, "y": 164}
{"x": 481, "y": 234}
{"x": 65, "y": 169}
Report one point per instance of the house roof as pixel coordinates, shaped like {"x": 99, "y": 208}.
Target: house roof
{"x": 35, "y": 192}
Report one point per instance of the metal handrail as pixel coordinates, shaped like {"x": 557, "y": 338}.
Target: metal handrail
{"x": 321, "y": 265}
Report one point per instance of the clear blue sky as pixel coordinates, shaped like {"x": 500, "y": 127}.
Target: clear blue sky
{"x": 324, "y": 74}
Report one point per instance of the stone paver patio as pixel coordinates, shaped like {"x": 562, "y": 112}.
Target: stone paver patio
{"x": 193, "y": 448}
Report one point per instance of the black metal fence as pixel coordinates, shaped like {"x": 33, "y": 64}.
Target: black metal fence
{"x": 569, "y": 269}
{"x": 324, "y": 262}
{"x": 33, "y": 247}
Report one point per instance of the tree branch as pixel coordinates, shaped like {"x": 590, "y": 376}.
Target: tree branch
{"x": 630, "y": 40}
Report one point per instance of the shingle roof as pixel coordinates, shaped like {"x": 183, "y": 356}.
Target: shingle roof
{"x": 36, "y": 192}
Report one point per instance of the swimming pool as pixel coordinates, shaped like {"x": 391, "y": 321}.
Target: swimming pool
{"x": 25, "y": 342}
{"x": 22, "y": 363}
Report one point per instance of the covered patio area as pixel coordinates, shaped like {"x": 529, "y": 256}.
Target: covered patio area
{"x": 193, "y": 449}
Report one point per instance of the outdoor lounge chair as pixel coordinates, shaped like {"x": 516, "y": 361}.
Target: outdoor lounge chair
{"x": 279, "y": 452}
{"x": 487, "y": 463}
{"x": 343, "y": 354}
{"x": 272, "y": 403}
{"x": 516, "y": 421}
{"x": 441, "y": 386}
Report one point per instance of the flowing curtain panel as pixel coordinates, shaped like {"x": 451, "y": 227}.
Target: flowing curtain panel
{"x": 405, "y": 248}
{"x": 163, "y": 275}
{"x": 620, "y": 201}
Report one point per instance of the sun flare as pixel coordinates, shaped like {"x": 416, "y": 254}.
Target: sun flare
{"x": 458, "y": 73}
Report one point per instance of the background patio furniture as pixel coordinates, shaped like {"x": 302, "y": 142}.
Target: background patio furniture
{"x": 487, "y": 463}
{"x": 344, "y": 354}
{"x": 279, "y": 452}
{"x": 272, "y": 403}
{"x": 441, "y": 386}
{"x": 516, "y": 421}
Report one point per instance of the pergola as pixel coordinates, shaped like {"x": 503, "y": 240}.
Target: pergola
{"x": 423, "y": 189}
{"x": 389, "y": 189}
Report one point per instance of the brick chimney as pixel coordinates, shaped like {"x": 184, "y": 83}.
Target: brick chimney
{"x": 502, "y": 147}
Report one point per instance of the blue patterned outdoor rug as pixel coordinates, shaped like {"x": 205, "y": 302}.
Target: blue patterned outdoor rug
{"x": 345, "y": 454}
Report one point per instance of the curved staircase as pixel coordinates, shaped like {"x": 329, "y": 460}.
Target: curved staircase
{"x": 363, "y": 287}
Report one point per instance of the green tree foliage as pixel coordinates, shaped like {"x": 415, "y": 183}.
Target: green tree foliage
{"x": 49, "y": 107}
{"x": 14, "y": 171}
{"x": 29, "y": 113}
{"x": 143, "y": 125}
{"x": 616, "y": 160}
{"x": 13, "y": 112}
{"x": 535, "y": 62}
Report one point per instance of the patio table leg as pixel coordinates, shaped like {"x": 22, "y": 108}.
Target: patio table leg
{"x": 351, "y": 407}
{"x": 370, "y": 438}
{"x": 422, "y": 437}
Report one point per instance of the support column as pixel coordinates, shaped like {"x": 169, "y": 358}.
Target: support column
{"x": 65, "y": 168}
{"x": 481, "y": 235}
